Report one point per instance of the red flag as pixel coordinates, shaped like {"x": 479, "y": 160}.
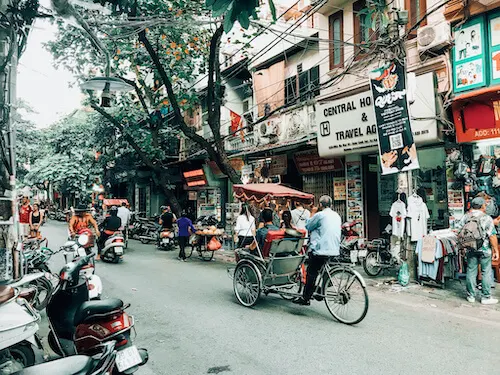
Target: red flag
{"x": 235, "y": 121}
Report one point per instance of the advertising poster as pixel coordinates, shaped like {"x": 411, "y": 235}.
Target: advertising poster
{"x": 397, "y": 148}
{"x": 354, "y": 193}
{"x": 339, "y": 189}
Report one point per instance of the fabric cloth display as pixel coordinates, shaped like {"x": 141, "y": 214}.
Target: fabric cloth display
{"x": 419, "y": 215}
{"x": 398, "y": 214}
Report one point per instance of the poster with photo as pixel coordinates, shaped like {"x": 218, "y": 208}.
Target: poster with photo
{"x": 397, "y": 149}
{"x": 354, "y": 194}
{"x": 468, "y": 42}
{"x": 339, "y": 189}
{"x": 469, "y": 73}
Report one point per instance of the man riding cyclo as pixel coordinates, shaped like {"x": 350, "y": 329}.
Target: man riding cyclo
{"x": 81, "y": 221}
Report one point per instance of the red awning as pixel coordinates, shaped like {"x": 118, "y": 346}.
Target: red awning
{"x": 114, "y": 202}
{"x": 260, "y": 192}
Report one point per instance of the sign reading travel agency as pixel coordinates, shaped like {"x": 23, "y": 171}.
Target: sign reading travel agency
{"x": 348, "y": 125}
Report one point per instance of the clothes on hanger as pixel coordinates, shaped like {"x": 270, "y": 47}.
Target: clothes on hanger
{"x": 398, "y": 214}
{"x": 419, "y": 215}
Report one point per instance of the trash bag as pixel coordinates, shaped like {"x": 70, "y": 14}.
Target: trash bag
{"x": 404, "y": 274}
{"x": 214, "y": 244}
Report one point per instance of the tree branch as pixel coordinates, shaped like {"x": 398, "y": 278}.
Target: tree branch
{"x": 213, "y": 89}
{"x": 141, "y": 99}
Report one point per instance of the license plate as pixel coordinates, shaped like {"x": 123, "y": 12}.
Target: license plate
{"x": 362, "y": 253}
{"x": 127, "y": 358}
{"x": 165, "y": 240}
{"x": 118, "y": 251}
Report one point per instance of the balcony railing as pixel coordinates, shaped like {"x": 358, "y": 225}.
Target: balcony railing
{"x": 235, "y": 143}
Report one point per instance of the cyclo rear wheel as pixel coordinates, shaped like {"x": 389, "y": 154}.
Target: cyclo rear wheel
{"x": 247, "y": 283}
{"x": 345, "y": 295}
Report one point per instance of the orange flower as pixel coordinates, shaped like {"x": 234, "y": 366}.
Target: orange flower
{"x": 196, "y": 39}
{"x": 164, "y": 36}
{"x": 176, "y": 53}
{"x": 173, "y": 45}
{"x": 186, "y": 51}
{"x": 166, "y": 102}
{"x": 191, "y": 44}
{"x": 169, "y": 51}
{"x": 178, "y": 57}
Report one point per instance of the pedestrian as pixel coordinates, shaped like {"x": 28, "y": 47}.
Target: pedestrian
{"x": 186, "y": 229}
{"x": 36, "y": 220}
{"x": 24, "y": 217}
{"x": 478, "y": 237}
{"x": 324, "y": 228}
{"x": 300, "y": 215}
{"x": 287, "y": 220}
{"x": 245, "y": 227}
{"x": 124, "y": 215}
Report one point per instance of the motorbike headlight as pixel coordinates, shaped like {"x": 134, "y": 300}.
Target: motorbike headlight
{"x": 83, "y": 239}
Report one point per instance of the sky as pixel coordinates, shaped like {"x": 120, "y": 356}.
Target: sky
{"x": 43, "y": 87}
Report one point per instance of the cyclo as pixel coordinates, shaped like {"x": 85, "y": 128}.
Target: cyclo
{"x": 280, "y": 268}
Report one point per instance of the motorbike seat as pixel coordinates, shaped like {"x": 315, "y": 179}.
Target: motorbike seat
{"x": 6, "y": 293}
{"x": 74, "y": 365}
{"x": 88, "y": 310}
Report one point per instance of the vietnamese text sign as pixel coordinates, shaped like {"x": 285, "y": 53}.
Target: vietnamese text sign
{"x": 397, "y": 148}
{"x": 309, "y": 162}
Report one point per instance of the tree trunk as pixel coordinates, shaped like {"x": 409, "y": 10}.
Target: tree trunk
{"x": 162, "y": 183}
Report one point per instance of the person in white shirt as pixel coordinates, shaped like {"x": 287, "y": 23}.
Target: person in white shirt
{"x": 245, "y": 227}
{"x": 124, "y": 215}
{"x": 300, "y": 215}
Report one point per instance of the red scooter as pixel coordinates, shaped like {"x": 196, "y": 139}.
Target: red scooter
{"x": 79, "y": 326}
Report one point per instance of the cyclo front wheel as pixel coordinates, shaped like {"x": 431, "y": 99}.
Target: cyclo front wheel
{"x": 345, "y": 295}
{"x": 247, "y": 283}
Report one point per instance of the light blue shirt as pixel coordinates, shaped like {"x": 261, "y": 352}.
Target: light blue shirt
{"x": 325, "y": 231}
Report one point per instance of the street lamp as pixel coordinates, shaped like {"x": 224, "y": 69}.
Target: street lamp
{"x": 106, "y": 85}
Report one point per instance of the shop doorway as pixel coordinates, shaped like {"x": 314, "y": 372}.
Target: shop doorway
{"x": 371, "y": 196}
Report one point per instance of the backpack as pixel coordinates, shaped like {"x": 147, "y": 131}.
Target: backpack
{"x": 471, "y": 236}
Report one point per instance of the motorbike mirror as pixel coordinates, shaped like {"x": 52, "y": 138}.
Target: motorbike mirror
{"x": 83, "y": 239}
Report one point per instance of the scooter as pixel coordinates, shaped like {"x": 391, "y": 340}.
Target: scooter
{"x": 99, "y": 364}
{"x": 73, "y": 251}
{"x": 166, "y": 240}
{"x": 78, "y": 326}
{"x": 113, "y": 248}
{"x": 351, "y": 243}
{"x": 18, "y": 327}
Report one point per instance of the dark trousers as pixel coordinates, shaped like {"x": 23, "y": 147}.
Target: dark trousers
{"x": 313, "y": 268}
{"x": 101, "y": 241}
{"x": 244, "y": 241}
{"x": 183, "y": 241}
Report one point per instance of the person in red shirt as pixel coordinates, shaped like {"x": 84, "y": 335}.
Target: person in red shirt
{"x": 24, "y": 217}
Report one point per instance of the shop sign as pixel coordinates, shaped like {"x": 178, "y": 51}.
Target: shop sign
{"x": 397, "y": 149}
{"x": 192, "y": 195}
{"x": 195, "y": 178}
{"x": 348, "y": 125}
{"x": 309, "y": 162}
{"x": 279, "y": 165}
{"x": 339, "y": 189}
{"x": 476, "y": 120}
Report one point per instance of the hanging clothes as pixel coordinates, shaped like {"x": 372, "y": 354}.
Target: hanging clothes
{"x": 419, "y": 215}
{"x": 398, "y": 214}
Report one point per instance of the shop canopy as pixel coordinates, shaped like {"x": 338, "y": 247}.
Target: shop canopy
{"x": 261, "y": 192}
{"x": 114, "y": 202}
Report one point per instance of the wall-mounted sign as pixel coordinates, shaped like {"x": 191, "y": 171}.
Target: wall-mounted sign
{"x": 477, "y": 119}
{"x": 195, "y": 178}
{"x": 397, "y": 149}
{"x": 339, "y": 189}
{"x": 309, "y": 162}
{"x": 278, "y": 166}
{"x": 192, "y": 195}
{"x": 348, "y": 125}
{"x": 469, "y": 55}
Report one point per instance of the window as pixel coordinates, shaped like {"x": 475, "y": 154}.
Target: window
{"x": 291, "y": 90}
{"x": 337, "y": 39}
{"x": 309, "y": 83}
{"x": 363, "y": 33}
{"x": 416, "y": 10}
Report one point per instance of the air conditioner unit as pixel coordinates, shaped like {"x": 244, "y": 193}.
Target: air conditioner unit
{"x": 432, "y": 38}
{"x": 267, "y": 132}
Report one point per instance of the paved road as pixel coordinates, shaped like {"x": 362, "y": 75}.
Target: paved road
{"x": 188, "y": 318}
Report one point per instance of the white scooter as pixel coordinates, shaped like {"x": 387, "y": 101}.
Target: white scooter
{"x": 113, "y": 248}
{"x": 72, "y": 251}
{"x": 18, "y": 327}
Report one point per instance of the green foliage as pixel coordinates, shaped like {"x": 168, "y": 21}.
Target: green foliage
{"x": 237, "y": 10}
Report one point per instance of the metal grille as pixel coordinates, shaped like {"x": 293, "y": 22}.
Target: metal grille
{"x": 322, "y": 183}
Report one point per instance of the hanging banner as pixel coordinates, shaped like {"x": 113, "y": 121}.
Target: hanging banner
{"x": 397, "y": 148}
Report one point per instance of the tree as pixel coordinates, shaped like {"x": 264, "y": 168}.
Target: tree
{"x": 172, "y": 43}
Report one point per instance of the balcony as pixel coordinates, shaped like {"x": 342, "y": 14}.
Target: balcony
{"x": 234, "y": 143}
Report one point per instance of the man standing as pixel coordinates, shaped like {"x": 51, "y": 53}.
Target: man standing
{"x": 124, "y": 215}
{"x": 324, "y": 232}
{"x": 300, "y": 215}
{"x": 478, "y": 236}
{"x": 24, "y": 217}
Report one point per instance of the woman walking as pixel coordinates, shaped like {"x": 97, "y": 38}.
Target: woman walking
{"x": 36, "y": 220}
{"x": 186, "y": 228}
{"x": 245, "y": 227}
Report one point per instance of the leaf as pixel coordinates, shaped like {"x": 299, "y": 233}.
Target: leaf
{"x": 220, "y": 7}
{"x": 273, "y": 9}
{"x": 209, "y": 3}
{"x": 244, "y": 19}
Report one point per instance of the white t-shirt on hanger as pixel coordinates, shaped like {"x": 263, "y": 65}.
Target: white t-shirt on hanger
{"x": 398, "y": 214}
{"x": 419, "y": 215}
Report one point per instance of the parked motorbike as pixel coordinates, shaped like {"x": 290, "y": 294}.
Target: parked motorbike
{"x": 379, "y": 255}
{"x": 74, "y": 250}
{"x": 351, "y": 243}
{"x": 113, "y": 248}
{"x": 166, "y": 240}
{"x": 144, "y": 230}
{"x": 99, "y": 364}
{"x": 18, "y": 327}
{"x": 79, "y": 326}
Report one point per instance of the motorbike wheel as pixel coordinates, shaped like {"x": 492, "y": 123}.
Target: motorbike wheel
{"x": 44, "y": 292}
{"x": 23, "y": 353}
{"x": 371, "y": 265}
{"x": 207, "y": 255}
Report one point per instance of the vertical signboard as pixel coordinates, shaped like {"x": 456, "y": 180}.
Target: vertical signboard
{"x": 494, "y": 52}
{"x": 469, "y": 55}
{"x": 397, "y": 148}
